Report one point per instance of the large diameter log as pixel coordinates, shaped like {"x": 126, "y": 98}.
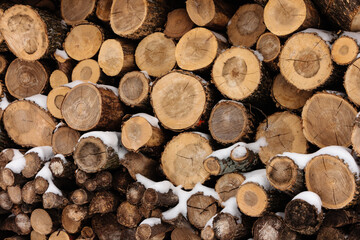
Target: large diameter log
{"x": 328, "y": 119}
{"x": 344, "y": 50}
{"x": 25, "y": 78}
{"x": 64, "y": 140}
{"x": 198, "y": 48}
{"x": 305, "y": 61}
{"x": 29, "y": 33}
{"x": 287, "y": 16}
{"x": 155, "y": 54}
{"x": 228, "y": 184}
{"x": 200, "y": 209}
{"x": 74, "y": 12}
{"x": 330, "y": 178}
{"x": 180, "y": 100}
{"x": 28, "y": 124}
{"x": 178, "y": 23}
{"x": 182, "y": 159}
{"x": 246, "y": 25}
{"x": 283, "y": 133}
{"x": 342, "y": 12}
{"x": 351, "y": 81}
{"x": 138, "y": 18}
{"x": 231, "y": 75}
{"x": 134, "y": 89}
{"x": 87, "y": 107}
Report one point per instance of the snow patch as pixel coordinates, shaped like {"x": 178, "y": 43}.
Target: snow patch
{"x": 4, "y": 103}
{"x": 230, "y": 207}
{"x": 152, "y": 120}
{"x": 108, "y": 87}
{"x": 62, "y": 54}
{"x": 204, "y": 135}
{"x": 47, "y": 175}
{"x": 239, "y": 152}
{"x": 38, "y": 99}
{"x": 17, "y": 163}
{"x": 311, "y": 198}
{"x": 145, "y": 74}
{"x": 44, "y": 152}
{"x": 259, "y": 177}
{"x": 336, "y": 93}
{"x": 151, "y": 221}
{"x": 60, "y": 124}
{"x": 258, "y": 55}
{"x": 327, "y": 36}
{"x": 62, "y": 157}
{"x": 110, "y": 139}
{"x": 220, "y": 37}
{"x": 353, "y": 35}
{"x": 280, "y": 214}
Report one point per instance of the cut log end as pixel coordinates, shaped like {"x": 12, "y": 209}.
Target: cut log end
{"x": 252, "y": 199}
{"x": 178, "y": 23}
{"x": 64, "y": 140}
{"x": 227, "y": 185}
{"x": 134, "y": 88}
{"x": 58, "y": 78}
{"x": 350, "y": 81}
{"x": 269, "y": 46}
{"x": 76, "y": 13}
{"x": 55, "y": 99}
{"x": 41, "y": 221}
{"x": 344, "y": 50}
{"x": 86, "y": 70}
{"x": 111, "y": 57}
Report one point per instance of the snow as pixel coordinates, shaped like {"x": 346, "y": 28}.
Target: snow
{"x": 259, "y": 177}
{"x": 62, "y": 157}
{"x": 166, "y": 186}
{"x": 204, "y": 135}
{"x": 227, "y": 100}
{"x": 146, "y": 74}
{"x": 225, "y": 152}
{"x": 60, "y": 124}
{"x": 239, "y": 152}
{"x": 327, "y": 36}
{"x": 110, "y": 139}
{"x": 74, "y": 83}
{"x": 4, "y": 103}
{"x": 220, "y": 37}
{"x": 17, "y": 163}
{"x": 311, "y": 198}
{"x": 280, "y": 214}
{"x": 108, "y": 87}
{"x": 47, "y": 175}
{"x": 229, "y": 22}
{"x": 336, "y": 93}
{"x": 259, "y": 55}
{"x": 230, "y": 207}
{"x": 63, "y": 23}
{"x": 337, "y": 151}
{"x": 151, "y": 221}
{"x": 44, "y": 152}
{"x": 62, "y": 54}
{"x": 353, "y": 35}
{"x": 152, "y": 120}
{"x": 38, "y": 99}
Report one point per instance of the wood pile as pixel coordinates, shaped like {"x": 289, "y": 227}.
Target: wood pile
{"x": 171, "y": 119}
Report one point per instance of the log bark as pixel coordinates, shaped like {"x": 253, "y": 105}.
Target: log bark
{"x": 121, "y": 181}
{"x": 76, "y": 12}
{"x": 134, "y": 89}
{"x": 200, "y": 209}
{"x": 183, "y": 234}
{"x": 19, "y": 224}
{"x": 81, "y": 177}
{"x": 157, "y": 231}
{"x": 178, "y": 23}
{"x": 226, "y": 227}
{"x": 62, "y": 168}
{"x": 29, "y": 194}
{"x": 101, "y": 181}
{"x": 54, "y": 200}
{"x": 340, "y": 218}
{"x": 88, "y": 107}
{"x": 330, "y": 233}
{"x": 55, "y": 99}
{"x": 135, "y": 193}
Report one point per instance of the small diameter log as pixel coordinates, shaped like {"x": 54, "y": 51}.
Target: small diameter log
{"x": 344, "y": 50}
{"x": 183, "y": 234}
{"x": 198, "y": 48}
{"x": 60, "y": 235}
{"x": 268, "y": 44}
{"x": 178, "y": 23}
{"x": 283, "y": 133}
{"x": 228, "y": 184}
{"x": 43, "y": 222}
{"x": 81, "y": 177}
{"x": 33, "y": 128}
{"x": 92, "y": 154}
{"x": 134, "y": 89}
{"x": 103, "y": 9}
{"x": 76, "y": 12}
{"x": 350, "y": 81}
{"x": 28, "y": 193}
{"x": 34, "y": 160}
{"x": 58, "y": 78}
{"x": 76, "y": 212}
{"x": 142, "y": 132}
{"x": 103, "y": 202}
{"x": 55, "y": 99}
{"x": 62, "y": 168}
{"x": 212, "y": 14}
{"x": 200, "y": 209}
{"x": 128, "y": 215}
{"x": 155, "y": 54}
{"x": 287, "y": 16}
{"x": 230, "y": 122}
{"x": 19, "y": 224}
{"x": 34, "y": 34}
{"x": 83, "y": 41}
{"x": 179, "y": 222}
{"x": 81, "y": 196}
{"x": 5, "y": 202}
{"x": 287, "y": 96}
{"x": 106, "y": 226}
{"x": 182, "y": 159}
{"x": 7, "y": 155}
{"x": 64, "y": 140}
{"x": 10, "y": 178}
{"x": 135, "y": 193}
{"x": 25, "y": 78}
{"x": 180, "y": 100}
{"x": 306, "y": 68}
{"x": 152, "y": 231}
{"x": 227, "y": 227}
{"x": 246, "y": 25}
{"x": 328, "y": 120}
{"x": 340, "y": 218}
{"x": 331, "y": 178}
{"x": 53, "y": 200}
{"x": 332, "y": 233}
{"x": 102, "y": 180}
{"x": 87, "y": 233}
{"x": 137, "y": 19}
{"x": 231, "y": 75}
{"x": 152, "y": 199}
{"x": 87, "y": 70}
{"x": 285, "y": 175}
{"x": 207, "y": 233}
{"x": 37, "y": 236}
{"x": 69, "y": 224}
{"x": 343, "y": 13}
{"x": 138, "y": 163}
{"x": 14, "y": 193}
{"x": 88, "y": 107}
{"x": 116, "y": 56}
{"x": 303, "y": 213}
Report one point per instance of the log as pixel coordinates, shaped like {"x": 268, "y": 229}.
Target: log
{"x": 116, "y": 56}
{"x": 135, "y": 193}
{"x": 83, "y": 41}
{"x": 328, "y": 119}
{"x": 354, "y": 233}
{"x": 178, "y": 23}
{"x": 228, "y": 184}
{"x": 128, "y": 215}
{"x": 62, "y": 168}
{"x": 121, "y": 181}
{"x": 25, "y": 78}
{"x": 134, "y": 89}
{"x": 81, "y": 177}
{"x": 103, "y": 8}
{"x": 55, "y": 99}
{"x": 198, "y": 48}
{"x": 9, "y": 178}
{"x": 101, "y": 181}
{"x": 330, "y": 233}
{"x": 76, "y": 12}
{"x": 69, "y": 224}
{"x": 34, "y": 160}
{"x": 3, "y": 64}
{"x": 283, "y": 133}
{"x": 37, "y": 236}
{"x": 180, "y": 100}
{"x": 58, "y": 78}
{"x": 226, "y": 227}
{"x": 5, "y": 202}
{"x": 30, "y": 34}
{"x": 344, "y": 50}
{"x": 207, "y": 233}
{"x": 60, "y": 235}
{"x": 200, "y": 208}
{"x": 146, "y": 231}
{"x": 106, "y": 227}
{"x": 87, "y": 107}
{"x": 137, "y": 19}
{"x": 76, "y": 212}
{"x": 183, "y": 234}
{"x": 28, "y": 193}
{"x": 231, "y": 122}
{"x": 14, "y": 193}
{"x": 27, "y": 124}
{"x": 53, "y": 200}
{"x": 268, "y": 44}
{"x": 350, "y": 83}
{"x": 43, "y": 222}
{"x": 286, "y": 16}
{"x": 152, "y": 199}
{"x": 87, "y": 70}
{"x": 287, "y": 96}
{"x": 182, "y": 159}
{"x": 230, "y": 74}
{"x": 103, "y": 202}
{"x": 64, "y": 140}
{"x": 87, "y": 233}
{"x": 19, "y": 224}
{"x": 246, "y": 25}
{"x": 81, "y": 196}
{"x": 212, "y": 14}
{"x": 155, "y": 54}
{"x": 340, "y": 218}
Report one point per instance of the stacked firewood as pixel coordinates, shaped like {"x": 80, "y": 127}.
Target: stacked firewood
{"x": 171, "y": 119}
